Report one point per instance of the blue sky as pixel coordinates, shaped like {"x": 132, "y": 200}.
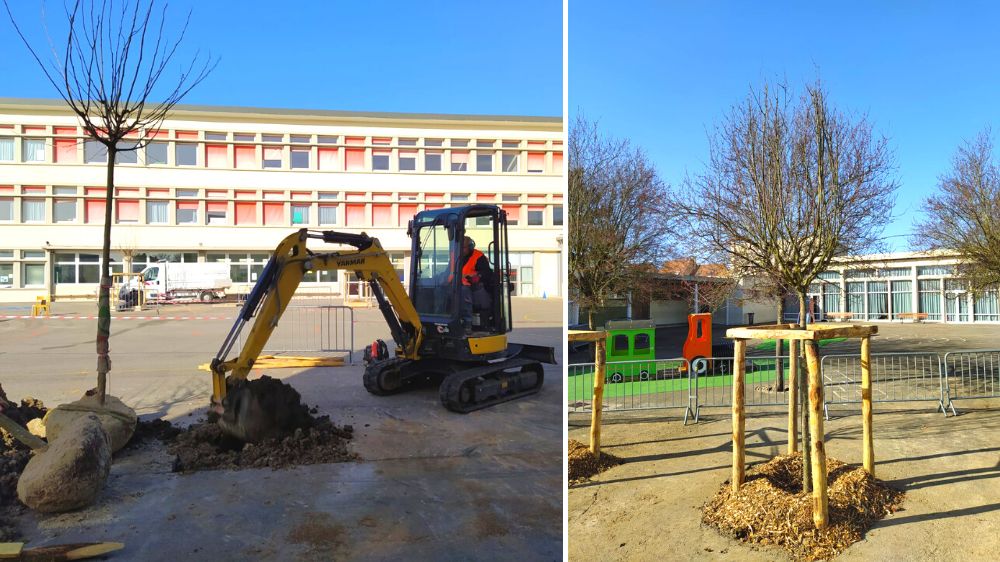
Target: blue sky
{"x": 662, "y": 73}
{"x": 430, "y": 56}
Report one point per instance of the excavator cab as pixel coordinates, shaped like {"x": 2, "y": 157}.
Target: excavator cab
{"x": 460, "y": 279}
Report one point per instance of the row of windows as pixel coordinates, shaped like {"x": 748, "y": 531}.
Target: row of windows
{"x": 295, "y": 152}
{"x": 245, "y": 212}
{"x": 905, "y": 271}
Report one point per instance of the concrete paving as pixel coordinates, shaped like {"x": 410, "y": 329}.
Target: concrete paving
{"x": 432, "y": 484}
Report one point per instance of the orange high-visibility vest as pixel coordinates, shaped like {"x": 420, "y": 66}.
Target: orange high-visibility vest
{"x": 470, "y": 266}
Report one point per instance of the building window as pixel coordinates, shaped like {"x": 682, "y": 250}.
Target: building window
{"x": 557, "y": 215}
{"x": 215, "y": 212}
{"x": 215, "y": 136}
{"x": 32, "y": 210}
{"x": 33, "y": 150}
{"x": 94, "y": 152}
{"x": 380, "y": 160}
{"x": 6, "y": 275}
{"x": 484, "y": 161}
{"x": 185, "y": 154}
{"x": 65, "y": 149}
{"x": 33, "y": 275}
{"x": 929, "y": 291}
{"x": 126, "y": 152}
{"x": 327, "y": 139}
{"x": 300, "y": 158}
{"x": 77, "y": 268}
{"x": 6, "y": 150}
{"x": 459, "y": 196}
{"x": 536, "y": 216}
{"x": 327, "y": 215}
{"x": 407, "y": 160}
{"x": 156, "y": 212}
{"x": 272, "y": 154}
{"x": 355, "y": 157}
{"x": 459, "y": 161}
{"x": 6, "y": 209}
{"x": 432, "y": 161}
{"x": 156, "y": 153}
{"x": 510, "y": 197}
{"x": 510, "y": 162}
{"x": 300, "y": 214}
{"x": 187, "y": 212}
{"x": 64, "y": 210}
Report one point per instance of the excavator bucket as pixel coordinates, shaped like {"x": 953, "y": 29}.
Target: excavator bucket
{"x": 265, "y": 408}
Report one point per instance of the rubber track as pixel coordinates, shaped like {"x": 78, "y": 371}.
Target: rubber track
{"x": 374, "y": 372}
{"x": 450, "y": 387}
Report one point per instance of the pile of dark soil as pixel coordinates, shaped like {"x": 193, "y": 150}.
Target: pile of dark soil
{"x": 297, "y": 437}
{"x": 583, "y": 464}
{"x": 771, "y": 509}
{"x": 152, "y": 430}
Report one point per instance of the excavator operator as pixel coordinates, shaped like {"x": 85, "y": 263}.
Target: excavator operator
{"x": 477, "y": 283}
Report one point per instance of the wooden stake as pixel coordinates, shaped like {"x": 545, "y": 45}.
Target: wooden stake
{"x": 597, "y": 401}
{"x": 793, "y": 396}
{"x": 820, "y": 506}
{"x": 739, "y": 420}
{"x": 868, "y": 446}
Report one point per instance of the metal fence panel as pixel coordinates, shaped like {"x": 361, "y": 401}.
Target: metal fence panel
{"x": 972, "y": 374}
{"x": 308, "y": 328}
{"x": 714, "y": 381}
{"x": 632, "y": 385}
{"x": 896, "y": 377}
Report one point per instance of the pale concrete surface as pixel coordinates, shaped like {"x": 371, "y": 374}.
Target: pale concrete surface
{"x": 432, "y": 484}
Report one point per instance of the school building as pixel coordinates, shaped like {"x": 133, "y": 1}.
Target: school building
{"x": 226, "y": 184}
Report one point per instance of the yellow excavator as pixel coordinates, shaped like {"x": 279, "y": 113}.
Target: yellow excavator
{"x": 450, "y": 328}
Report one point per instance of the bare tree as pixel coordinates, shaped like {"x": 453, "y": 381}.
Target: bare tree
{"x": 962, "y": 217}
{"x": 791, "y": 183}
{"x": 616, "y": 219}
{"x": 109, "y": 72}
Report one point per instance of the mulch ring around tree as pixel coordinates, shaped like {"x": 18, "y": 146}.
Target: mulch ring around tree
{"x": 771, "y": 510}
{"x": 583, "y": 464}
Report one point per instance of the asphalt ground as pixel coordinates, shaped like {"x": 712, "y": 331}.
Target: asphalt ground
{"x": 432, "y": 484}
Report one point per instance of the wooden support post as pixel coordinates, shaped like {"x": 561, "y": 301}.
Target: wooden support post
{"x": 868, "y": 449}
{"x": 739, "y": 420}
{"x": 793, "y": 396}
{"x": 597, "y": 401}
{"x": 820, "y": 506}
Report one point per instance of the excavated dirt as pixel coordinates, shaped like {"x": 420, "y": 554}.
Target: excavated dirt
{"x": 299, "y": 437}
{"x": 150, "y": 431}
{"x": 771, "y": 509}
{"x": 583, "y": 464}
{"x": 14, "y": 456}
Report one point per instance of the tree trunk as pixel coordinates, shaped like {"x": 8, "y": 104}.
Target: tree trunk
{"x": 779, "y": 350}
{"x": 803, "y": 400}
{"x": 103, "y": 295}
{"x": 590, "y": 318}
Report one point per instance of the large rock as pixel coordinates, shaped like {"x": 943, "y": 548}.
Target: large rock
{"x": 118, "y": 419}
{"x": 70, "y": 472}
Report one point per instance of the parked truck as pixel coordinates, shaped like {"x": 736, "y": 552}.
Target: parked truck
{"x": 181, "y": 281}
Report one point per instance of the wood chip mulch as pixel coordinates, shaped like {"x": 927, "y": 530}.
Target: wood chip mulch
{"x": 770, "y": 508}
{"x": 583, "y": 464}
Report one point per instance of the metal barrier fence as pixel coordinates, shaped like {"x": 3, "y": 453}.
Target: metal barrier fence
{"x": 633, "y": 385}
{"x": 713, "y": 382}
{"x": 971, "y": 374}
{"x": 308, "y": 328}
{"x": 896, "y": 377}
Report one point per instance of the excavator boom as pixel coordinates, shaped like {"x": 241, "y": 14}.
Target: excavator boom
{"x": 274, "y": 289}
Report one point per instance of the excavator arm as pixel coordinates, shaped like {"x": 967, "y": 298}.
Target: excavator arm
{"x": 277, "y": 283}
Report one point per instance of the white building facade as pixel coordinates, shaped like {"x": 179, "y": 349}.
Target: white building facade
{"x": 223, "y": 184}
